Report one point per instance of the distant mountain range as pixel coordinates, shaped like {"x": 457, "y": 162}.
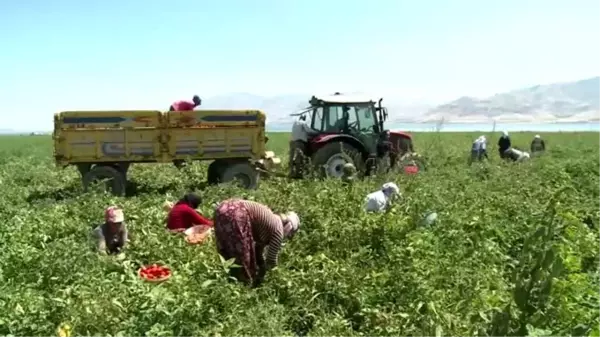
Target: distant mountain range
{"x": 279, "y": 108}
{"x": 559, "y": 102}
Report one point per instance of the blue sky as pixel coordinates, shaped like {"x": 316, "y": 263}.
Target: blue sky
{"x": 129, "y": 54}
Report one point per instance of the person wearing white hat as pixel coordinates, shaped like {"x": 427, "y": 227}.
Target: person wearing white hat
{"x": 504, "y": 144}
{"x": 538, "y": 146}
{"x": 244, "y": 229}
{"x": 380, "y": 201}
{"x": 111, "y": 237}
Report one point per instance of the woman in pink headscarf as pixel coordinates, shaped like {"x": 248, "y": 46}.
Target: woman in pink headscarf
{"x": 243, "y": 229}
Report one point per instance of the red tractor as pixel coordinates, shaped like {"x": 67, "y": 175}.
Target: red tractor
{"x": 350, "y": 129}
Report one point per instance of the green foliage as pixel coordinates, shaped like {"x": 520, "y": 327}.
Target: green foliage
{"x": 514, "y": 250}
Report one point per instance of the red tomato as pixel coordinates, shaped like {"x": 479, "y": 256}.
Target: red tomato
{"x": 411, "y": 169}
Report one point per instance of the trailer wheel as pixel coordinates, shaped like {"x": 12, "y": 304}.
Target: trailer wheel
{"x": 247, "y": 176}
{"x": 214, "y": 172}
{"x": 115, "y": 181}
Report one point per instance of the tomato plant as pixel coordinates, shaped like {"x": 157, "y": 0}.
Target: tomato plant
{"x": 514, "y": 250}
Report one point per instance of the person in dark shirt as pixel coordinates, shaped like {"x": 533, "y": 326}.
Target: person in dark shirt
{"x": 504, "y": 144}
{"x": 183, "y": 215}
{"x": 111, "y": 237}
{"x": 538, "y": 146}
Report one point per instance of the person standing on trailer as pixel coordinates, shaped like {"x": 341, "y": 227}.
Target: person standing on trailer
{"x": 301, "y": 131}
{"x": 186, "y": 105}
{"x": 504, "y": 144}
{"x": 538, "y": 146}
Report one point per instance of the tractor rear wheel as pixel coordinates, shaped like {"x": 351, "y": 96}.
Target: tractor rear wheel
{"x": 330, "y": 159}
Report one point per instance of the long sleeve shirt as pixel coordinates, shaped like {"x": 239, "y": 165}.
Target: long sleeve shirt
{"x": 376, "y": 202}
{"x": 504, "y": 143}
{"x": 110, "y": 242}
{"x": 301, "y": 131}
{"x": 267, "y": 229}
{"x": 183, "y": 106}
{"x": 538, "y": 145}
{"x": 182, "y": 216}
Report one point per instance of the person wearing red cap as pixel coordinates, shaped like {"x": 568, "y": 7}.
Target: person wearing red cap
{"x": 186, "y": 105}
{"x": 111, "y": 237}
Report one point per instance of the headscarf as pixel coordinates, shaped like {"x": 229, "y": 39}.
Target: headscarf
{"x": 113, "y": 214}
{"x": 191, "y": 199}
{"x": 291, "y": 223}
{"x": 390, "y": 189}
{"x": 537, "y": 136}
{"x": 504, "y": 133}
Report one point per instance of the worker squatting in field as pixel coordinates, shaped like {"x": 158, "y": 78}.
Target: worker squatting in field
{"x": 504, "y": 144}
{"x": 112, "y": 236}
{"x": 538, "y": 145}
{"x": 380, "y": 201}
{"x": 516, "y": 155}
{"x": 183, "y": 214}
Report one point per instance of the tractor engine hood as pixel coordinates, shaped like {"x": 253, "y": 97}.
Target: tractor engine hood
{"x": 400, "y": 134}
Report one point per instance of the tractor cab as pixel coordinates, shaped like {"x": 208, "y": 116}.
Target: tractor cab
{"x": 358, "y": 117}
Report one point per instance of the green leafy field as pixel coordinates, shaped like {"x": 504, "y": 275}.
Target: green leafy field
{"x": 515, "y": 250}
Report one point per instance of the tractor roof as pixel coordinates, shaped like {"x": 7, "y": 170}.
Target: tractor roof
{"x": 342, "y": 98}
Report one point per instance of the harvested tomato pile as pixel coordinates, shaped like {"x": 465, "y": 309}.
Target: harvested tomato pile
{"x": 412, "y": 169}
{"x": 154, "y": 273}
{"x": 197, "y": 234}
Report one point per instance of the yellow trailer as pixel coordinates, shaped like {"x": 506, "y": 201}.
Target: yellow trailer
{"x": 103, "y": 144}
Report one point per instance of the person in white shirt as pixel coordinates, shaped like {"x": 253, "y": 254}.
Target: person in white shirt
{"x": 479, "y": 149}
{"x": 301, "y": 132}
{"x": 381, "y": 200}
